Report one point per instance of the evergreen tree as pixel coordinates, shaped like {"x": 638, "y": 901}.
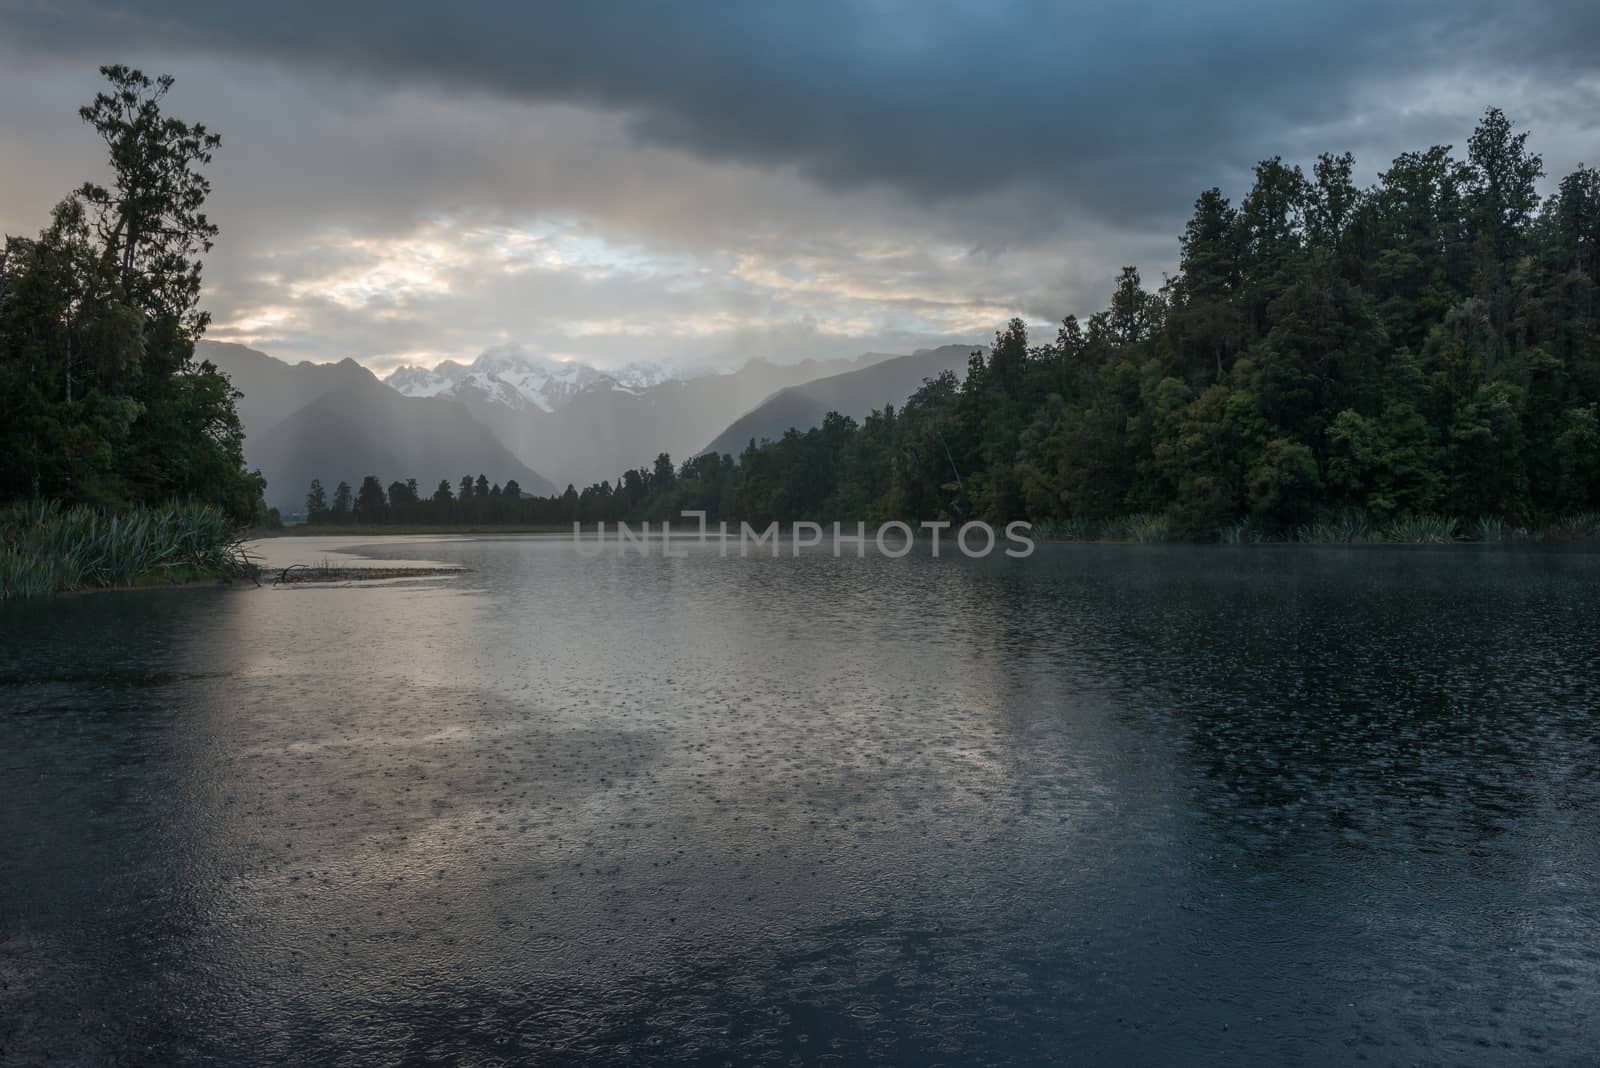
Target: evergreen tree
{"x": 342, "y": 502}
{"x": 316, "y": 503}
{"x": 371, "y": 505}
{"x": 101, "y": 400}
{"x": 1430, "y": 344}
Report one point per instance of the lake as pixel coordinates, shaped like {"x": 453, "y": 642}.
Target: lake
{"x": 1106, "y": 805}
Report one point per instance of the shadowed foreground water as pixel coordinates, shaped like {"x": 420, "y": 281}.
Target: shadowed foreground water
{"x": 1105, "y": 805}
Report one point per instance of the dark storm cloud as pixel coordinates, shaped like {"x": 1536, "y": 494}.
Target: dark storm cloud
{"x": 705, "y": 182}
{"x": 1114, "y": 105}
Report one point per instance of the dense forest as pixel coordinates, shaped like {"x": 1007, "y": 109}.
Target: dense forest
{"x": 1327, "y": 358}
{"x": 1420, "y": 354}
{"x": 102, "y": 404}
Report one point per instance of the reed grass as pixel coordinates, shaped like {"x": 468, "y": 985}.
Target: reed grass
{"x": 45, "y": 548}
{"x": 1065, "y": 530}
{"x": 1144, "y": 528}
{"x": 1350, "y": 528}
{"x": 1423, "y": 529}
{"x": 1492, "y": 529}
{"x": 1582, "y": 526}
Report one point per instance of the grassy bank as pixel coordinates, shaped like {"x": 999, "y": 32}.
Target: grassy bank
{"x": 45, "y": 548}
{"x": 1351, "y": 528}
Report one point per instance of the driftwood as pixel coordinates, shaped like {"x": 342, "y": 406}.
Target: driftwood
{"x": 300, "y": 573}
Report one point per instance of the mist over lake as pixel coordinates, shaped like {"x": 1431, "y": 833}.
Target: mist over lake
{"x": 1137, "y": 804}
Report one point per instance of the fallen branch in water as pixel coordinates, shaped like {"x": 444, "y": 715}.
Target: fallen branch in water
{"x": 300, "y": 573}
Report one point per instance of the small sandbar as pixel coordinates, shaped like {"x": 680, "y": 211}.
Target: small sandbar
{"x": 272, "y": 555}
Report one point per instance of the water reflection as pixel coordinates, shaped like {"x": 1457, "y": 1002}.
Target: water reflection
{"x": 1124, "y": 804}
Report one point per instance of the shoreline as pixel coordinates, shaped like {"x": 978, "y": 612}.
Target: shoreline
{"x": 354, "y": 530}
{"x": 264, "y": 578}
{"x": 1041, "y": 533}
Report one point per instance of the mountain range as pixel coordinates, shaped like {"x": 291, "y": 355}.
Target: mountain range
{"x": 853, "y": 393}
{"x": 602, "y": 430}
{"x": 510, "y": 375}
{"x": 336, "y": 422}
{"x": 510, "y": 414}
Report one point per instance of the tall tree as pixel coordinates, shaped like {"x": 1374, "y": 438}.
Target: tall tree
{"x": 371, "y": 505}
{"x": 1504, "y": 195}
{"x": 316, "y": 502}
{"x": 98, "y": 319}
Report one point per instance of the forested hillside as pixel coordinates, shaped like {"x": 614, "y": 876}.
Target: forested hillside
{"x": 1428, "y": 346}
{"x": 855, "y": 393}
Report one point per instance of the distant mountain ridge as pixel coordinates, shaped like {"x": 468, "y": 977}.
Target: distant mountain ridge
{"x": 508, "y": 414}
{"x": 372, "y": 430}
{"x": 272, "y": 389}
{"x": 336, "y": 421}
{"x": 603, "y": 431}
{"x": 511, "y": 376}
{"x": 853, "y": 393}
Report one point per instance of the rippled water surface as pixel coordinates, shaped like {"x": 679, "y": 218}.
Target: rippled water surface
{"x": 1104, "y": 805}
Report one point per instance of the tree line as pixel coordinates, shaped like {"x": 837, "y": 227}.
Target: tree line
{"x": 474, "y": 501}
{"x": 1429, "y": 345}
{"x": 101, "y": 401}
{"x": 1426, "y": 345}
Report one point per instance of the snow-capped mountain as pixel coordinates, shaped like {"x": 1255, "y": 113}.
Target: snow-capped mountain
{"x": 642, "y": 374}
{"x": 511, "y": 376}
{"x": 423, "y": 382}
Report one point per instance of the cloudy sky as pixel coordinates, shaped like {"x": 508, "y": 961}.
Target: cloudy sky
{"x": 701, "y": 183}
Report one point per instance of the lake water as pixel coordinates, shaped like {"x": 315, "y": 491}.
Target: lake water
{"x": 1108, "y": 805}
